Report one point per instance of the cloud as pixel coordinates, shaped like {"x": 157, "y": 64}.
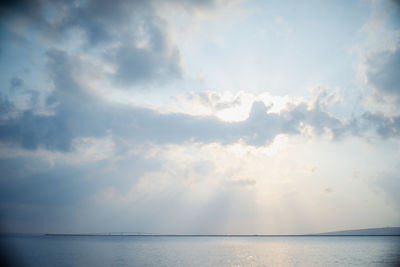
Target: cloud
{"x": 15, "y": 83}
{"x": 212, "y": 100}
{"x": 54, "y": 186}
{"x": 6, "y": 107}
{"x": 386, "y": 127}
{"x": 378, "y": 55}
{"x": 127, "y": 34}
{"x": 48, "y": 190}
{"x": 222, "y": 161}
{"x": 174, "y": 188}
{"x": 138, "y": 65}
{"x": 142, "y": 54}
{"x": 384, "y": 72}
{"x": 97, "y": 19}
{"x": 317, "y": 118}
{"x": 78, "y": 112}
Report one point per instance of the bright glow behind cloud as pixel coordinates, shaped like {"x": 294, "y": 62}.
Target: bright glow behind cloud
{"x": 199, "y": 116}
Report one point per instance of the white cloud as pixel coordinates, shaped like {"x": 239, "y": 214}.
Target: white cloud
{"x": 272, "y": 189}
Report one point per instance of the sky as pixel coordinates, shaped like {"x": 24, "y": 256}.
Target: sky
{"x": 199, "y": 117}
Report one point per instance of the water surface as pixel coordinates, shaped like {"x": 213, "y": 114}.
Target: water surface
{"x": 203, "y": 251}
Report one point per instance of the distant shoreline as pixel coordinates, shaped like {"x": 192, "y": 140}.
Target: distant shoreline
{"x": 386, "y": 231}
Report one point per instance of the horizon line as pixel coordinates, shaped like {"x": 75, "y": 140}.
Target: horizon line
{"x": 121, "y": 233}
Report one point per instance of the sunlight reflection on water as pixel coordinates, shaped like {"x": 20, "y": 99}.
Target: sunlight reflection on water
{"x": 203, "y": 251}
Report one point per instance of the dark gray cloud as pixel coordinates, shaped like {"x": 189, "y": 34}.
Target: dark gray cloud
{"x": 97, "y": 19}
{"x": 139, "y": 65}
{"x": 37, "y": 195}
{"x": 130, "y": 33}
{"x": 50, "y": 186}
{"x": 6, "y": 107}
{"x": 26, "y": 179}
{"x": 11, "y": 8}
{"x": 15, "y": 83}
{"x": 396, "y": 5}
{"x": 116, "y": 26}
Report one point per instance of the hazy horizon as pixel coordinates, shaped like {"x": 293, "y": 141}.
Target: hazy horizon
{"x": 395, "y": 230}
{"x": 203, "y": 116}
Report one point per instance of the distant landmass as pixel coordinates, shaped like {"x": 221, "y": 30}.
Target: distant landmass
{"x": 369, "y": 231}
{"x": 386, "y": 231}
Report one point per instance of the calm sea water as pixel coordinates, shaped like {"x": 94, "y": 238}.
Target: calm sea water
{"x": 202, "y": 251}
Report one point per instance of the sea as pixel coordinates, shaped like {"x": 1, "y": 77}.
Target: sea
{"x": 42, "y": 250}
